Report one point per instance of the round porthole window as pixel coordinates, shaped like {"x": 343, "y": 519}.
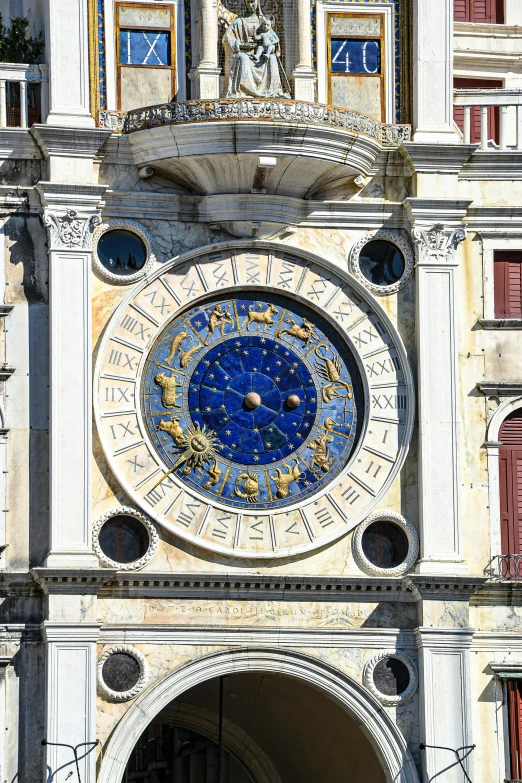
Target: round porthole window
{"x": 124, "y": 539}
{"x": 385, "y": 544}
{"x": 383, "y": 261}
{"x": 122, "y": 251}
{"x": 122, "y": 672}
{"x": 391, "y": 676}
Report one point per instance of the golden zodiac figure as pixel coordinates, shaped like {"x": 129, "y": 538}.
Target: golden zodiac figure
{"x": 330, "y": 370}
{"x": 168, "y": 385}
{"x": 250, "y": 485}
{"x": 305, "y": 332}
{"x": 176, "y": 342}
{"x": 264, "y": 318}
{"x": 173, "y": 429}
{"x": 283, "y": 480}
{"x": 321, "y": 459}
{"x": 218, "y": 318}
{"x": 215, "y": 474}
{"x": 186, "y": 356}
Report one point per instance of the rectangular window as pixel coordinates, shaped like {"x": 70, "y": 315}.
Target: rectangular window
{"x": 508, "y": 284}
{"x": 514, "y": 699}
{"x": 145, "y": 56}
{"x": 480, "y": 11}
{"x": 493, "y": 111}
{"x": 355, "y": 51}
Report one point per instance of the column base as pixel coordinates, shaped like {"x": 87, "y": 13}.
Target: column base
{"x": 70, "y": 120}
{"x": 205, "y": 79}
{"x": 442, "y": 568}
{"x": 441, "y": 136}
{"x": 82, "y": 559}
{"x": 304, "y": 80}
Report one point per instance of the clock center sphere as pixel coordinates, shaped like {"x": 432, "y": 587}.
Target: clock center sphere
{"x": 252, "y": 400}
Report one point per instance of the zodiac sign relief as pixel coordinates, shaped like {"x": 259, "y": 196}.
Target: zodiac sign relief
{"x": 305, "y": 332}
{"x": 184, "y": 355}
{"x": 283, "y": 480}
{"x": 330, "y": 370}
{"x": 214, "y": 473}
{"x": 264, "y": 318}
{"x": 168, "y": 385}
{"x": 218, "y": 318}
{"x": 250, "y": 486}
{"x": 321, "y": 460}
{"x": 173, "y": 429}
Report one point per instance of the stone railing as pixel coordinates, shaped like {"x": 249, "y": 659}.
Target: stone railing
{"x": 24, "y": 94}
{"x": 299, "y": 112}
{"x": 504, "y": 568}
{"x": 509, "y": 103}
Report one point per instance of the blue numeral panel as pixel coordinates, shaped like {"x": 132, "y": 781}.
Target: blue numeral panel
{"x": 144, "y": 47}
{"x": 355, "y": 56}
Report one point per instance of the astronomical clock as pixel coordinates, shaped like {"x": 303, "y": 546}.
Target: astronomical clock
{"x": 253, "y": 402}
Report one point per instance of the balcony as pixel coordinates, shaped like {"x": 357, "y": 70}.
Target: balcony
{"x": 255, "y": 145}
{"x": 478, "y": 106}
{"x": 24, "y": 91}
{"x": 504, "y": 568}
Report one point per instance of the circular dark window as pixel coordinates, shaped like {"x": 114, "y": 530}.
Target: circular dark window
{"x": 391, "y": 676}
{"x": 384, "y": 544}
{"x": 121, "y": 252}
{"x": 381, "y": 262}
{"x": 123, "y": 539}
{"x": 121, "y": 672}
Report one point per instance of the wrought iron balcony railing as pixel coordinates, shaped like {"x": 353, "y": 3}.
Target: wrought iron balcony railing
{"x": 504, "y": 568}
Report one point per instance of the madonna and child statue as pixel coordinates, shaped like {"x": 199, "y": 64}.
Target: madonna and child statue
{"x": 253, "y": 57}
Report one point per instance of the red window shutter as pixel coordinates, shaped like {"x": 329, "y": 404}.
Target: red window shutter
{"x": 511, "y": 484}
{"x": 461, "y": 10}
{"x": 514, "y": 694}
{"x": 508, "y": 284}
{"x": 493, "y": 112}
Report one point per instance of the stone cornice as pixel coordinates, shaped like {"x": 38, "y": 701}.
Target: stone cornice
{"x": 429, "y": 211}
{"x": 71, "y": 581}
{"x": 63, "y": 142}
{"x": 436, "y": 588}
{"x": 18, "y": 143}
{"x": 436, "y": 158}
{"x": 493, "y": 165}
{"x": 62, "y": 195}
{"x": 494, "y": 222}
{"x": 500, "y": 388}
{"x": 500, "y": 323}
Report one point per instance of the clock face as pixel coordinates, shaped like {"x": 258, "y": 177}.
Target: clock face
{"x": 253, "y": 402}
{"x": 250, "y": 402}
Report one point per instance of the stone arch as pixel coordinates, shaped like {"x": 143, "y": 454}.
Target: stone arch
{"x": 386, "y": 739}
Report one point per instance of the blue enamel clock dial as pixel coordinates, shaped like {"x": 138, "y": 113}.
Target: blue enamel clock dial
{"x": 252, "y": 401}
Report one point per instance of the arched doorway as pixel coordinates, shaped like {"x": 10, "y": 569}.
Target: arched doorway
{"x": 310, "y": 719}
{"x": 274, "y": 729}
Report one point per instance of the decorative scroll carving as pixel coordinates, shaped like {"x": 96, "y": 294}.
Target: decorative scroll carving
{"x": 70, "y": 230}
{"x": 437, "y": 245}
{"x": 276, "y": 110}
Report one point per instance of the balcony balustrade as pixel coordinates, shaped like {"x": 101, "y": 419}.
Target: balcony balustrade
{"x": 504, "y": 568}
{"x": 509, "y": 104}
{"x": 24, "y": 94}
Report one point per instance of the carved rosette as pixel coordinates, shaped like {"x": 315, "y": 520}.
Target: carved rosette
{"x": 111, "y": 694}
{"x": 70, "y": 230}
{"x": 390, "y": 700}
{"x": 437, "y": 245}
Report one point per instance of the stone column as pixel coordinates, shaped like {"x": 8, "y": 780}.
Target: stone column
{"x": 70, "y": 215}
{"x": 67, "y": 53}
{"x": 205, "y": 76}
{"x": 303, "y": 75}
{"x": 70, "y": 697}
{"x": 433, "y": 72}
{"x": 438, "y": 402}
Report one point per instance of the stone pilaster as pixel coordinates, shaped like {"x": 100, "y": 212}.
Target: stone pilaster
{"x": 437, "y": 355}
{"x": 433, "y": 72}
{"x": 303, "y": 75}
{"x": 70, "y": 215}
{"x": 205, "y": 77}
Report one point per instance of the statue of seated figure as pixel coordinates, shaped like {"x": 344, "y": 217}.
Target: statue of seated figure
{"x": 252, "y": 52}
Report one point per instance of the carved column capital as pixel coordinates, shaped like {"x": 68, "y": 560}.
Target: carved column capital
{"x": 70, "y": 230}
{"x": 437, "y": 245}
